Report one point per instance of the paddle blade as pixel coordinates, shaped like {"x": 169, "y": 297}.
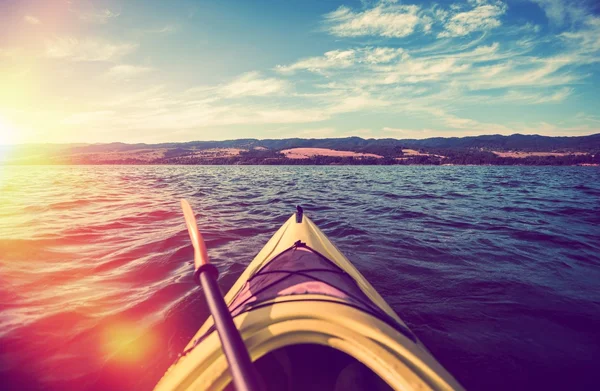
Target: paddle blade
{"x": 200, "y": 253}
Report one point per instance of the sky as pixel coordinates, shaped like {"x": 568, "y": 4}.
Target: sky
{"x": 82, "y": 71}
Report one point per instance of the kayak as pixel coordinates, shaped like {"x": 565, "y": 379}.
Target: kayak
{"x": 310, "y": 321}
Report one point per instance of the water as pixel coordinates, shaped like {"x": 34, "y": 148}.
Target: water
{"x": 496, "y": 269}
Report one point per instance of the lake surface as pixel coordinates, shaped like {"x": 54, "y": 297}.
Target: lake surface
{"x": 496, "y": 269}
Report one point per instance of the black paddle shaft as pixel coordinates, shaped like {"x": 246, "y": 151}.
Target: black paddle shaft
{"x": 242, "y": 371}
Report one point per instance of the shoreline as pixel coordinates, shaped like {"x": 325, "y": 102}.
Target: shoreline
{"x": 291, "y": 165}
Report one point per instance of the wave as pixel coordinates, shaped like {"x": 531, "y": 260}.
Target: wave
{"x": 472, "y": 258}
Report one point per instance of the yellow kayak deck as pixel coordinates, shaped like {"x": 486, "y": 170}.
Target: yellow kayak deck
{"x": 361, "y": 324}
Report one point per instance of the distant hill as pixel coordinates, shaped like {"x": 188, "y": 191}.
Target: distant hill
{"x": 438, "y": 150}
{"x": 515, "y": 142}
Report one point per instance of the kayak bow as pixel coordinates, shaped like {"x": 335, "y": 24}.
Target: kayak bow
{"x": 310, "y": 320}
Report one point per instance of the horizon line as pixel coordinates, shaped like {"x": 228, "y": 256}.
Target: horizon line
{"x": 290, "y": 138}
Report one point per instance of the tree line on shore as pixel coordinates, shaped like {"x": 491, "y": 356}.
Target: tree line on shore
{"x": 451, "y": 157}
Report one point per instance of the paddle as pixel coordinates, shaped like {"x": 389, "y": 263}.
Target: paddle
{"x": 242, "y": 370}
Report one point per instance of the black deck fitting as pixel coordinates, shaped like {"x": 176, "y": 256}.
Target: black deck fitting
{"x": 299, "y": 213}
{"x": 299, "y": 243}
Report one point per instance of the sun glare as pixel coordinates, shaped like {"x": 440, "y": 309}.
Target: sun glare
{"x": 7, "y": 133}
{"x": 126, "y": 342}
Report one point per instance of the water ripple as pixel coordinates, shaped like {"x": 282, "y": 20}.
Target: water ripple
{"x": 495, "y": 268}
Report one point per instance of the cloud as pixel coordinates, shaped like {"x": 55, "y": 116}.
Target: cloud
{"x": 331, "y": 59}
{"x": 156, "y": 30}
{"x": 339, "y": 59}
{"x": 427, "y": 80}
{"x": 87, "y": 117}
{"x": 282, "y": 116}
{"x": 386, "y": 19}
{"x": 356, "y": 103}
{"x": 31, "y": 19}
{"x": 168, "y": 112}
{"x": 252, "y": 84}
{"x": 559, "y": 12}
{"x": 374, "y": 67}
{"x": 393, "y": 130}
{"x": 166, "y": 29}
{"x": 555, "y": 97}
{"x": 537, "y": 98}
{"x": 126, "y": 71}
{"x": 412, "y": 85}
{"x": 86, "y": 49}
{"x": 581, "y": 116}
{"x": 392, "y": 20}
{"x": 416, "y": 70}
{"x": 586, "y": 39}
{"x": 535, "y": 72}
{"x": 380, "y": 55}
{"x": 88, "y": 13}
{"x": 483, "y": 17}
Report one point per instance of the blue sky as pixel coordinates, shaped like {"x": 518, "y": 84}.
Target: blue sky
{"x": 155, "y": 71}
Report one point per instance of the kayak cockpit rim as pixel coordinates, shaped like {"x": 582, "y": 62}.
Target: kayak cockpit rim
{"x": 361, "y": 303}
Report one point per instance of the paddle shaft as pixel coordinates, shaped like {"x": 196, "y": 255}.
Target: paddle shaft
{"x": 242, "y": 370}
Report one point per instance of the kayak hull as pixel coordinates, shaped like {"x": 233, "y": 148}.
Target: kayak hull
{"x": 360, "y": 324}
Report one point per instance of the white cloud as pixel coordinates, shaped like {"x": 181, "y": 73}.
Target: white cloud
{"x": 483, "y": 17}
{"x": 585, "y": 40}
{"x": 331, "y": 59}
{"x": 428, "y": 80}
{"x": 252, "y": 84}
{"x": 554, "y": 9}
{"x": 427, "y": 83}
{"x": 283, "y": 116}
{"x": 339, "y": 59}
{"x": 87, "y": 49}
{"x": 561, "y": 11}
{"x": 415, "y": 70}
{"x": 88, "y": 13}
{"x": 169, "y": 28}
{"x": 137, "y": 98}
{"x": 581, "y": 116}
{"x": 205, "y": 115}
{"x": 126, "y": 71}
{"x": 31, "y": 19}
{"x": 392, "y": 20}
{"x": 380, "y": 55}
{"x": 393, "y": 130}
{"x": 356, "y": 103}
{"x": 535, "y": 72}
{"x": 160, "y": 108}
{"x": 171, "y": 114}
{"x": 555, "y": 97}
{"x": 537, "y": 98}
{"x": 386, "y": 19}
{"x": 87, "y": 117}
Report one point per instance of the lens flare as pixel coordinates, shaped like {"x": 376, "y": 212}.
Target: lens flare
{"x": 128, "y": 343}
